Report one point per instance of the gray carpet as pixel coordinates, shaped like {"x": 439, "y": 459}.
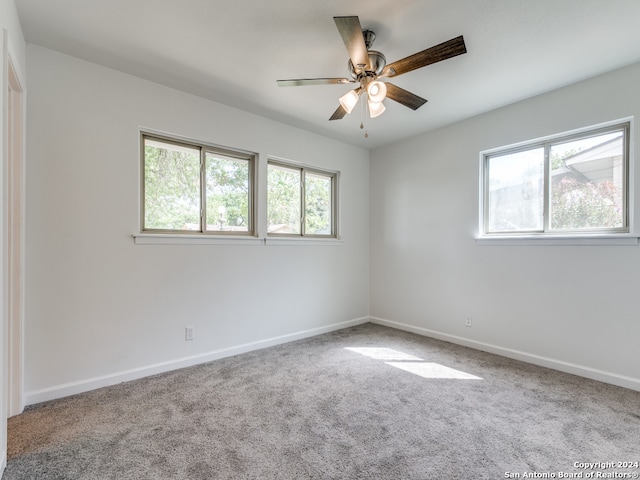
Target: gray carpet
{"x": 367, "y": 402}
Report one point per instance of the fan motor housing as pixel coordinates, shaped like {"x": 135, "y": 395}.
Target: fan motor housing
{"x": 377, "y": 62}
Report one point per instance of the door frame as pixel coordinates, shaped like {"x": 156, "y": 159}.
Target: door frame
{"x": 14, "y": 237}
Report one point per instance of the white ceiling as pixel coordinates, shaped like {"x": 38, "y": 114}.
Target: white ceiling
{"x": 233, "y": 51}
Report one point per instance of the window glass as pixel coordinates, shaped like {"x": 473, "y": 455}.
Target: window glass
{"x": 318, "y": 204}
{"x": 587, "y": 183}
{"x": 189, "y": 187}
{"x": 284, "y": 199}
{"x": 171, "y": 186}
{"x": 516, "y": 183}
{"x": 300, "y": 201}
{"x": 192, "y": 188}
{"x": 569, "y": 184}
{"x": 227, "y": 193}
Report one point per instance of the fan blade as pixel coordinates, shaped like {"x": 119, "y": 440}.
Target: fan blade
{"x": 404, "y": 97}
{"x": 296, "y": 82}
{"x": 339, "y": 113}
{"x": 443, "y": 51}
{"x": 351, "y": 32}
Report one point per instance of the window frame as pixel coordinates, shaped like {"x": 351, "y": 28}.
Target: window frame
{"x": 203, "y": 148}
{"x": 304, "y": 169}
{"x": 557, "y": 235}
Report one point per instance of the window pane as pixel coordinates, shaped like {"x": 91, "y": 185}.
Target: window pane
{"x": 283, "y": 199}
{"x": 587, "y": 183}
{"x": 515, "y": 197}
{"x": 318, "y": 206}
{"x": 171, "y": 186}
{"x": 227, "y": 193}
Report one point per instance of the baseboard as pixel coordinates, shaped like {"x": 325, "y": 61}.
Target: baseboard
{"x": 72, "y": 388}
{"x": 594, "y": 374}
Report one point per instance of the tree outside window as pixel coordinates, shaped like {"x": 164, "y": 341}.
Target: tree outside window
{"x": 195, "y": 188}
{"x": 300, "y": 201}
{"x": 571, "y": 184}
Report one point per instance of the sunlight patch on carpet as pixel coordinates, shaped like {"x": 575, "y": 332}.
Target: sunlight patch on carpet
{"x": 412, "y": 364}
{"x": 383, "y": 353}
{"x": 432, "y": 370}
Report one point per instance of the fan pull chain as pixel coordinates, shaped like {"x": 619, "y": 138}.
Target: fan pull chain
{"x": 363, "y": 111}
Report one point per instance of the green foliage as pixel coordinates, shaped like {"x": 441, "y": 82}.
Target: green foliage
{"x": 317, "y": 205}
{"x": 227, "y": 193}
{"x": 576, "y": 205}
{"x": 558, "y": 159}
{"x": 172, "y": 198}
{"x": 171, "y": 188}
{"x": 283, "y": 199}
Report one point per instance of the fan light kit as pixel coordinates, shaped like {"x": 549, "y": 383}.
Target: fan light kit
{"x": 366, "y": 66}
{"x": 349, "y": 100}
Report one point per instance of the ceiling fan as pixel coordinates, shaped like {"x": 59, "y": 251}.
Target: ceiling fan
{"x": 366, "y": 66}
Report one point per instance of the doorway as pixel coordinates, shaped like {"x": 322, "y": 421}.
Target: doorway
{"x": 14, "y": 215}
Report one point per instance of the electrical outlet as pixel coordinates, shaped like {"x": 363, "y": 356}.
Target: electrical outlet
{"x": 188, "y": 333}
{"x": 468, "y": 320}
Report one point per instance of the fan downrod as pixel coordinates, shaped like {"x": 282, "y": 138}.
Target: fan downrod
{"x": 369, "y": 37}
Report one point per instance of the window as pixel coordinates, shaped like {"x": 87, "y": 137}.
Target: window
{"x": 300, "y": 201}
{"x": 568, "y": 185}
{"x": 191, "y": 188}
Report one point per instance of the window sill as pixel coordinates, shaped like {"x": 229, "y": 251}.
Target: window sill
{"x": 284, "y": 241}
{"x": 186, "y": 239}
{"x": 586, "y": 240}
{"x": 179, "y": 239}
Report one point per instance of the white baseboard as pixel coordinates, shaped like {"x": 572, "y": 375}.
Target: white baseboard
{"x": 72, "y": 388}
{"x": 594, "y": 374}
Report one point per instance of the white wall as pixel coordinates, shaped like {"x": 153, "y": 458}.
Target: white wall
{"x": 12, "y": 46}
{"x": 10, "y": 22}
{"x": 573, "y": 308}
{"x": 100, "y": 308}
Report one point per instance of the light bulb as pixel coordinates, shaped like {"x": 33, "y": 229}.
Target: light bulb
{"x": 349, "y": 100}
{"x": 377, "y": 91}
{"x": 376, "y": 109}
